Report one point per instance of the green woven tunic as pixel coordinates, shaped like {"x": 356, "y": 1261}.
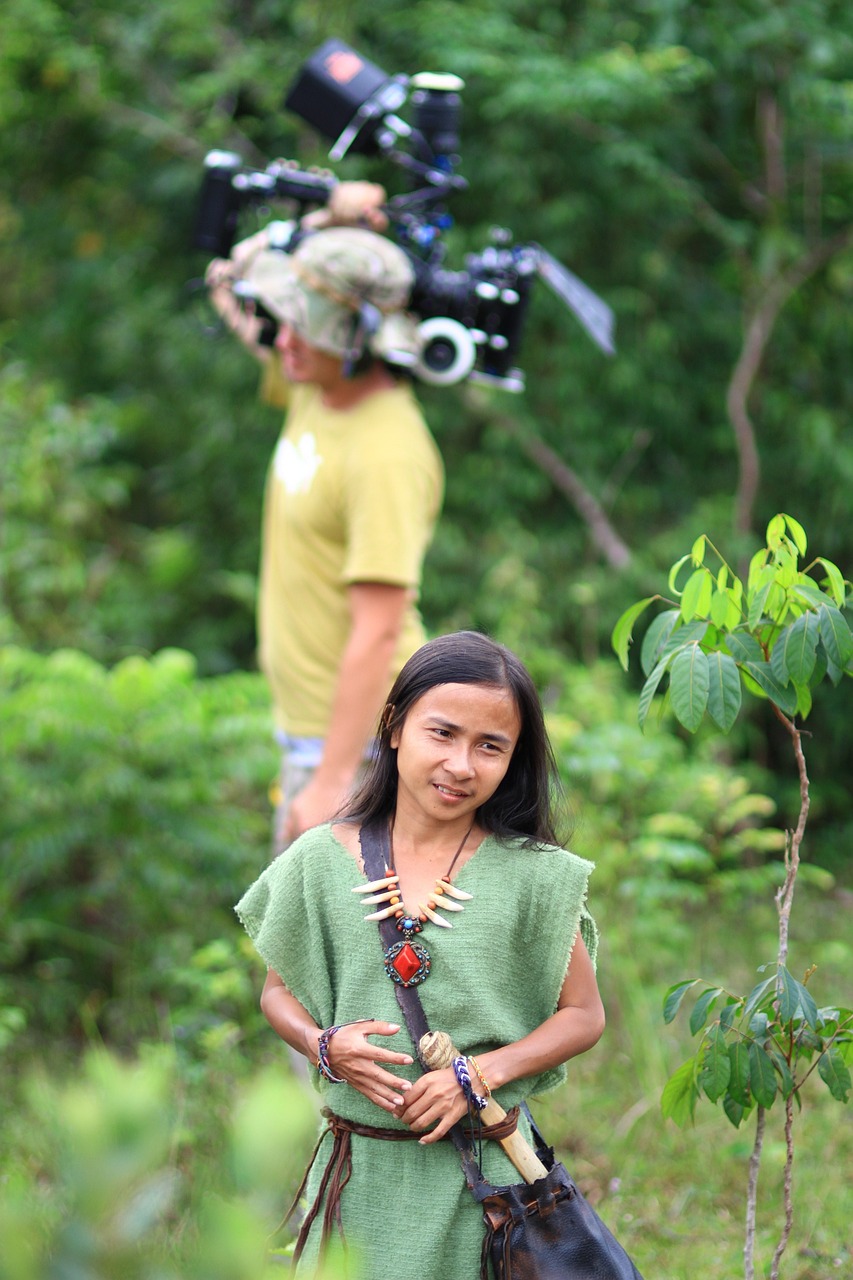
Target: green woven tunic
{"x": 495, "y": 977}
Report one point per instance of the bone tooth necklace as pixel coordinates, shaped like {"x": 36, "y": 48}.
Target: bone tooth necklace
{"x": 406, "y": 962}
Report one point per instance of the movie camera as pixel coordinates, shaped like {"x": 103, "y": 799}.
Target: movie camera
{"x": 470, "y": 321}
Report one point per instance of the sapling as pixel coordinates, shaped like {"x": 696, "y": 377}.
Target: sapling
{"x": 775, "y": 638}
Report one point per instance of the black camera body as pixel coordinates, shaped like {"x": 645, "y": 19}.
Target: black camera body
{"x": 471, "y": 320}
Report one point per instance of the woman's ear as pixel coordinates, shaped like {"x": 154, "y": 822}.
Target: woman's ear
{"x": 387, "y": 720}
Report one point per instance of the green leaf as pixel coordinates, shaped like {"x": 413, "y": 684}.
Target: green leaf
{"x": 797, "y": 532}
{"x": 786, "y": 1080}
{"x": 690, "y": 633}
{"x": 649, "y": 690}
{"x": 785, "y": 699}
{"x": 757, "y": 994}
{"x": 795, "y": 1001}
{"x": 697, "y": 551}
{"x": 739, "y": 1078}
{"x": 835, "y": 1073}
{"x": 673, "y": 574}
{"x": 762, "y": 1077}
{"x": 758, "y": 1026}
{"x": 795, "y": 651}
{"x": 835, "y": 581}
{"x": 696, "y": 596}
{"x": 724, "y": 691}
{"x": 678, "y": 1100}
{"x": 716, "y": 1065}
{"x": 834, "y": 672}
{"x": 622, "y": 632}
{"x": 674, "y": 996}
{"x": 809, "y": 594}
{"x": 656, "y": 638}
{"x": 804, "y": 700}
{"x": 744, "y": 647}
{"x": 775, "y": 530}
{"x": 836, "y": 635}
{"x": 757, "y": 596}
{"x": 702, "y": 1007}
{"x": 725, "y": 610}
{"x": 689, "y": 686}
{"x": 734, "y": 1110}
{"x": 728, "y": 1014}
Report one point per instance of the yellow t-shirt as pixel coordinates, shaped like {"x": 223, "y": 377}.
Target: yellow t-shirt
{"x": 351, "y": 496}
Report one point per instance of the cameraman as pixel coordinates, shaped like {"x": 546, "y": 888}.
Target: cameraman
{"x": 353, "y": 490}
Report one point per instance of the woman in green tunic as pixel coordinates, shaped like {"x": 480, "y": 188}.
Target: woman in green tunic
{"x": 464, "y": 779}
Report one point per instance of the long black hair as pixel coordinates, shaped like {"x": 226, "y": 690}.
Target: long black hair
{"x": 525, "y": 803}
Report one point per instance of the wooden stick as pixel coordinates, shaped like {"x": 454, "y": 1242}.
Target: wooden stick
{"x": 437, "y": 1051}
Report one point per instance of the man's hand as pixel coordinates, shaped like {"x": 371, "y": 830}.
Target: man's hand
{"x": 317, "y": 802}
{"x": 351, "y": 204}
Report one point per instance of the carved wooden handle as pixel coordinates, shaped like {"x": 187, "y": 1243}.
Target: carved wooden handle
{"x": 437, "y": 1051}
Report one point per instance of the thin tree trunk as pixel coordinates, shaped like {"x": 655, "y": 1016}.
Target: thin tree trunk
{"x": 785, "y": 892}
{"x": 752, "y": 1195}
{"x": 789, "y": 1189}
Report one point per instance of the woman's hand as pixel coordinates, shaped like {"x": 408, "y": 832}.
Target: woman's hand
{"x": 354, "y": 1059}
{"x": 434, "y": 1100}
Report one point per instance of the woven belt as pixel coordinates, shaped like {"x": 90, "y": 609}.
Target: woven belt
{"x": 339, "y": 1169}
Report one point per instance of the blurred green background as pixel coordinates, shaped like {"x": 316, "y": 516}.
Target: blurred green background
{"x": 693, "y": 165}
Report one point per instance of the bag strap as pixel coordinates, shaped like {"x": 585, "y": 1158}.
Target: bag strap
{"x": 376, "y": 854}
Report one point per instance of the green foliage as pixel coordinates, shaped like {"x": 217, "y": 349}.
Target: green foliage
{"x": 778, "y": 636}
{"x": 102, "y": 1179}
{"x": 680, "y": 826}
{"x": 758, "y": 1047}
{"x": 126, "y": 794}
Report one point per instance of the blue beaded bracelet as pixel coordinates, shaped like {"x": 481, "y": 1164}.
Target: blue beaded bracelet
{"x": 463, "y": 1079}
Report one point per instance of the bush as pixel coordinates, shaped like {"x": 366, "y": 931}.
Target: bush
{"x": 132, "y": 814}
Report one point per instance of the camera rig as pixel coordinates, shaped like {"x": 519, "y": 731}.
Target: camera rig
{"x": 470, "y": 321}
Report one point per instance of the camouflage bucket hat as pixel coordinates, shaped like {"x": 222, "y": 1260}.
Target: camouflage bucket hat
{"x": 317, "y": 288}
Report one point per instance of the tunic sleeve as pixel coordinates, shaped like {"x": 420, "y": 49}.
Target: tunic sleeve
{"x": 289, "y": 935}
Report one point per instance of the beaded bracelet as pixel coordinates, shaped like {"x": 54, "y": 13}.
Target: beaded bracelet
{"x": 323, "y": 1056}
{"x": 323, "y": 1065}
{"x": 463, "y": 1079}
{"x": 483, "y": 1081}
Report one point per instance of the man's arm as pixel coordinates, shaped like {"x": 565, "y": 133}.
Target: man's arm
{"x": 238, "y": 315}
{"x": 364, "y": 677}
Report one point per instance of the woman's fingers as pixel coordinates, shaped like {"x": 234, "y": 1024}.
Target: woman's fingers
{"x": 354, "y": 1059}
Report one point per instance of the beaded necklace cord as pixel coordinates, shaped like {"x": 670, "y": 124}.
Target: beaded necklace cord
{"x": 408, "y": 962}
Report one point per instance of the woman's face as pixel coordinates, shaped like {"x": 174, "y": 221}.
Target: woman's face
{"x": 453, "y": 750}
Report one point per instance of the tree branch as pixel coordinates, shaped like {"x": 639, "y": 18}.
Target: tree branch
{"x": 759, "y": 328}
{"x": 615, "y": 551}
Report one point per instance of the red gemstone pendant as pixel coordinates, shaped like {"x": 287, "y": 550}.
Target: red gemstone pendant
{"x": 407, "y": 963}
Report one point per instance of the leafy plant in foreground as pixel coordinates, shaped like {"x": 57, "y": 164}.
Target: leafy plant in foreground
{"x": 777, "y": 637}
